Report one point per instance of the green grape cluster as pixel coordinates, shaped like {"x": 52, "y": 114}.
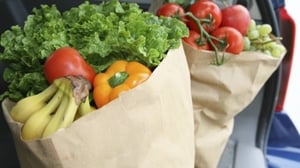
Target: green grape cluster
{"x": 260, "y": 38}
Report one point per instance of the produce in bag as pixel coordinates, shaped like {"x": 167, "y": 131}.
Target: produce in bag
{"x": 228, "y": 67}
{"x": 54, "y": 108}
{"x": 120, "y": 76}
{"x": 150, "y": 125}
{"x": 225, "y": 96}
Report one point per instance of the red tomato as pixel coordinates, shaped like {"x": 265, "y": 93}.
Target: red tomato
{"x": 232, "y": 37}
{"x": 205, "y": 10}
{"x": 194, "y": 40}
{"x": 236, "y": 16}
{"x": 171, "y": 10}
{"x": 67, "y": 61}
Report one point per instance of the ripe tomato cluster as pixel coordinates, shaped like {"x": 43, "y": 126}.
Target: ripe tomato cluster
{"x": 211, "y": 27}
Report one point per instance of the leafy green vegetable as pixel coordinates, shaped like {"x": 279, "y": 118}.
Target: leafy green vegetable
{"x": 101, "y": 32}
{"x": 184, "y": 3}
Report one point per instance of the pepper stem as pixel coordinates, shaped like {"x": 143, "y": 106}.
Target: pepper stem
{"x": 117, "y": 79}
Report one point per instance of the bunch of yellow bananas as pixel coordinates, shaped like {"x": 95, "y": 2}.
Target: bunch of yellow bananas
{"x": 56, "y": 107}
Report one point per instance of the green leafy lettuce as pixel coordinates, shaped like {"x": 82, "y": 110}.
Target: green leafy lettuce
{"x": 101, "y": 32}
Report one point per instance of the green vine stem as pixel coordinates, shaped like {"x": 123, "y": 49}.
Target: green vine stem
{"x": 209, "y": 38}
{"x": 273, "y": 39}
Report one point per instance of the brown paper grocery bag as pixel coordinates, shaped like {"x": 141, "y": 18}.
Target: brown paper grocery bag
{"x": 219, "y": 93}
{"x": 150, "y": 126}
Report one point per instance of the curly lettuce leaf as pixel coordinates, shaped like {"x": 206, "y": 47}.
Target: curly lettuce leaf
{"x": 102, "y": 33}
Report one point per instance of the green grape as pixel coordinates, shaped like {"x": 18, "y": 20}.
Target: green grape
{"x": 281, "y": 48}
{"x": 264, "y": 29}
{"x": 247, "y": 43}
{"x": 271, "y": 45}
{"x": 268, "y": 52}
{"x": 260, "y": 47}
{"x": 266, "y": 38}
{"x": 253, "y": 34}
{"x": 258, "y": 38}
{"x": 278, "y": 50}
{"x": 252, "y": 25}
{"x": 252, "y": 48}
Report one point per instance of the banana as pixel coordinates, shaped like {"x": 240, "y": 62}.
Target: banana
{"x": 70, "y": 113}
{"x": 76, "y": 92}
{"x": 65, "y": 113}
{"x": 28, "y": 105}
{"x": 34, "y": 127}
{"x": 60, "y": 111}
{"x": 55, "y": 121}
{"x": 25, "y": 108}
{"x": 84, "y": 108}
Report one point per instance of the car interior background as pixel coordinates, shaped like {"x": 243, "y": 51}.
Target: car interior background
{"x": 248, "y": 144}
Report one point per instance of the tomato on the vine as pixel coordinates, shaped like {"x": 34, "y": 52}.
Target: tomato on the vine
{"x": 209, "y": 14}
{"x": 196, "y": 41}
{"x": 171, "y": 9}
{"x": 233, "y": 39}
{"x": 236, "y": 16}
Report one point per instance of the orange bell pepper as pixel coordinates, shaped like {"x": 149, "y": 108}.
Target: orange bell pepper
{"x": 120, "y": 76}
